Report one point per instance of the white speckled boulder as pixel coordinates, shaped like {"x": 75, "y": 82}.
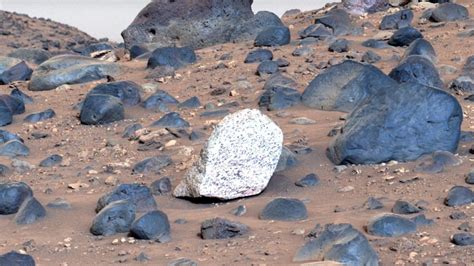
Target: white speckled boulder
{"x": 237, "y": 161}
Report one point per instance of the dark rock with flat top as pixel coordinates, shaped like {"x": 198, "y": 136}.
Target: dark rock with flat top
{"x": 449, "y": 12}
{"x": 282, "y": 209}
{"x": 219, "y": 228}
{"x": 175, "y": 57}
{"x": 127, "y": 91}
{"x": 401, "y": 19}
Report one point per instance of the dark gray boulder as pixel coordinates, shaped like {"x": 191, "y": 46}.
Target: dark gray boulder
{"x": 40, "y": 116}
{"x": 273, "y": 36}
{"x": 70, "y": 69}
{"x": 282, "y": 209}
{"x": 191, "y": 103}
{"x": 7, "y": 63}
{"x": 152, "y": 164}
{"x": 14, "y": 258}
{"x": 417, "y": 69}
{"x": 18, "y": 72}
{"x": 459, "y": 196}
{"x": 401, "y": 19}
{"x": 197, "y": 24}
{"x": 404, "y": 36}
{"x": 318, "y": 31}
{"x": 12, "y": 195}
{"x": 138, "y": 195}
{"x": 401, "y": 125}
{"x": 159, "y": 100}
{"x": 175, "y": 57}
{"x": 14, "y": 105}
{"x": 35, "y": 56}
{"x": 153, "y": 225}
{"x": 14, "y": 148}
{"x": 219, "y": 228}
{"x": 338, "y": 21}
{"x": 267, "y": 68}
{"x": 339, "y": 243}
{"x": 258, "y": 55}
{"x": 390, "y": 225}
{"x": 116, "y": 217}
{"x": 421, "y": 47}
{"x": 280, "y": 93}
{"x": 171, "y": 120}
{"x": 127, "y": 91}
{"x": 342, "y": 87}
{"x": 449, "y": 12}
{"x": 100, "y": 109}
{"x": 30, "y": 211}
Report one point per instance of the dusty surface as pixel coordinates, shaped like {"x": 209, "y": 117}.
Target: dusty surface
{"x": 63, "y": 237}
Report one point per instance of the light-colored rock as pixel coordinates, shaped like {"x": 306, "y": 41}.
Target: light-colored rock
{"x": 237, "y": 161}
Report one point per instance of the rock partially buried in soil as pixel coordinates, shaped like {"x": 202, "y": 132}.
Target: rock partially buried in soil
{"x": 138, "y": 195}
{"x": 14, "y": 148}
{"x": 70, "y": 69}
{"x": 40, "y": 116}
{"x": 127, "y": 91}
{"x": 19, "y": 72}
{"x": 14, "y": 105}
{"x": 51, "y": 160}
{"x": 161, "y": 186}
{"x": 100, "y": 109}
{"x": 174, "y": 57}
{"x": 159, "y": 100}
{"x": 116, "y": 217}
{"x": 390, "y": 225}
{"x": 267, "y": 68}
{"x": 417, "y": 69}
{"x": 35, "y": 56}
{"x": 339, "y": 46}
{"x": 343, "y": 86}
{"x": 152, "y": 164}
{"x": 421, "y": 47}
{"x": 459, "y": 196}
{"x": 279, "y": 93}
{"x": 287, "y": 160}
{"x": 339, "y": 243}
{"x": 404, "y": 36}
{"x": 258, "y": 55}
{"x": 219, "y": 228}
{"x": 282, "y": 209}
{"x": 30, "y": 211}
{"x": 171, "y": 120}
{"x": 437, "y": 162}
{"x": 238, "y": 159}
{"x": 197, "y": 24}
{"x": 273, "y": 36}
{"x": 152, "y": 226}
{"x": 310, "y": 180}
{"x": 14, "y": 258}
{"x": 449, "y": 12}
{"x": 401, "y": 19}
{"x": 463, "y": 239}
{"x": 402, "y": 125}
{"x": 182, "y": 262}
{"x": 12, "y": 195}
{"x": 403, "y": 207}
{"x": 338, "y": 21}
{"x": 17, "y": 93}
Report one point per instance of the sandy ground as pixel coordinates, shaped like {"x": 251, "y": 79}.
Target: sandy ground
{"x": 63, "y": 237}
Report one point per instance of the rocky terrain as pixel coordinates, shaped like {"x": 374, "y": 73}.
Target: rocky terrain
{"x": 325, "y": 138}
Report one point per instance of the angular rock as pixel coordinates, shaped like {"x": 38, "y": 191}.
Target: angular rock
{"x": 12, "y": 195}
{"x": 14, "y": 105}
{"x": 219, "y": 228}
{"x": 402, "y": 125}
{"x": 197, "y": 24}
{"x": 127, "y": 91}
{"x": 152, "y": 164}
{"x": 279, "y": 93}
{"x": 174, "y": 57}
{"x": 237, "y": 161}
{"x": 318, "y": 31}
{"x": 390, "y": 225}
{"x": 19, "y": 72}
{"x": 421, "y": 47}
{"x": 138, "y": 195}
{"x": 258, "y": 55}
{"x": 191, "y": 103}
{"x": 153, "y": 225}
{"x": 463, "y": 85}
{"x": 30, "y": 211}
{"x": 401, "y": 19}
{"x": 342, "y": 87}
{"x": 100, "y": 109}
{"x": 404, "y": 36}
{"x": 337, "y": 20}
{"x": 13, "y": 258}
{"x": 116, "y": 217}
{"x": 373, "y": 204}
{"x": 273, "y": 36}
{"x": 130, "y": 130}
{"x": 339, "y": 243}
{"x": 70, "y": 69}
{"x": 171, "y": 120}
{"x": 161, "y": 186}
{"x": 51, "y": 161}
{"x": 6, "y": 116}
{"x": 267, "y": 68}
{"x": 40, "y": 116}
{"x": 17, "y": 93}
{"x": 459, "y": 196}
{"x": 159, "y": 100}
{"x": 403, "y": 207}
{"x": 371, "y": 57}
{"x": 417, "y": 69}
{"x": 282, "y": 209}
{"x": 7, "y": 63}
{"x": 449, "y": 12}
{"x": 470, "y": 178}
{"x": 35, "y": 56}
{"x": 339, "y": 46}
{"x": 310, "y": 180}
{"x": 59, "y": 203}
{"x": 138, "y": 50}
{"x": 287, "y": 160}
{"x": 14, "y": 148}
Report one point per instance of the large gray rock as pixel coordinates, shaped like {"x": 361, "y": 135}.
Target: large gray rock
{"x": 237, "y": 161}
{"x": 343, "y": 86}
{"x": 70, "y": 69}
{"x": 196, "y": 23}
{"x": 339, "y": 243}
{"x": 401, "y": 125}
{"x": 7, "y": 63}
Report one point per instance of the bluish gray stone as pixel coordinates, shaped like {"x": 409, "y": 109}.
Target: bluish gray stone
{"x": 117, "y": 217}
{"x": 30, "y": 211}
{"x": 12, "y": 195}
{"x": 153, "y": 225}
{"x": 459, "y": 196}
{"x": 282, "y": 209}
{"x": 273, "y": 36}
{"x": 101, "y": 109}
{"x": 171, "y": 120}
{"x": 390, "y": 225}
{"x": 219, "y": 228}
{"x": 258, "y": 55}
{"x": 176, "y": 57}
{"x": 138, "y": 195}
{"x": 127, "y": 91}
{"x": 40, "y": 116}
